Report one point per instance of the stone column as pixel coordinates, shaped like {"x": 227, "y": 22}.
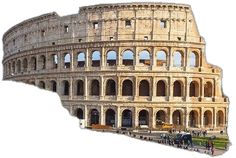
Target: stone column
{"x": 136, "y": 57}
{"x": 202, "y": 117}
{"x": 102, "y": 116}
{"x": 86, "y": 88}
{"x": 170, "y": 116}
{"x": 153, "y": 119}
{"x": 186, "y": 117}
{"x": 119, "y": 87}
{"x": 60, "y": 61}
{"x": 71, "y": 88}
{"x": 153, "y": 88}
{"x": 87, "y": 59}
{"x": 170, "y": 88}
{"x": 86, "y": 116}
{"x": 214, "y": 117}
{"x": 170, "y": 61}
{"x": 153, "y": 59}
{"x": 135, "y": 88}
{"x": 202, "y": 88}
{"x": 136, "y": 121}
{"x": 72, "y": 59}
{"x": 118, "y": 118}
{"x": 103, "y": 58}
{"x": 187, "y": 87}
{"x": 101, "y": 87}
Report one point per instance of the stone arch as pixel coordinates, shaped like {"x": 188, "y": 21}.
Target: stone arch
{"x": 208, "y": 120}
{"x": 178, "y": 59}
{"x": 79, "y": 113}
{"x": 208, "y": 89}
{"x": 161, "y": 116}
{"x": 65, "y": 88}
{"x": 194, "y": 89}
{"x": 127, "y": 119}
{"x": 127, "y": 88}
{"x": 177, "y": 117}
{"x": 220, "y": 118}
{"x": 53, "y": 86}
{"x": 161, "y": 58}
{"x": 144, "y": 57}
{"x": 54, "y": 61}
{"x": 33, "y": 63}
{"x": 110, "y": 117}
{"x": 13, "y": 67}
{"x": 161, "y": 88}
{"x": 110, "y": 87}
{"x": 143, "y": 117}
{"x": 80, "y": 59}
{"x": 128, "y": 58}
{"x": 79, "y": 87}
{"x": 144, "y": 89}
{"x": 42, "y": 62}
{"x": 42, "y": 84}
{"x": 95, "y": 88}
{"x": 178, "y": 89}
{"x": 193, "y": 119}
{"x": 67, "y": 60}
{"x": 96, "y": 58}
{"x": 193, "y": 59}
{"x": 94, "y": 117}
{"x": 111, "y": 58}
{"x": 25, "y": 64}
{"x": 18, "y": 66}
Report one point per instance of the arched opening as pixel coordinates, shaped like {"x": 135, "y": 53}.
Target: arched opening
{"x": 65, "y": 88}
{"x": 144, "y": 88}
{"x": 13, "y": 67}
{"x": 111, "y": 87}
{"x": 54, "y": 61}
{"x": 110, "y": 117}
{"x": 33, "y": 63}
{"x": 42, "y": 85}
{"x": 80, "y": 88}
{"x": 127, "y": 118}
{"x": 207, "y": 118}
{"x": 177, "y": 118}
{"x": 67, "y": 61}
{"x": 80, "y": 113}
{"x": 193, "y": 59}
{"x": 161, "y": 58}
{"x": 81, "y": 59}
{"x": 160, "y": 117}
{"x": 111, "y": 58}
{"x": 178, "y": 89}
{"x": 128, "y": 58}
{"x": 127, "y": 88}
{"x": 144, "y": 57}
{"x": 208, "y": 89}
{"x": 94, "y": 89}
{"x": 25, "y": 64}
{"x": 143, "y": 117}
{"x": 96, "y": 59}
{"x": 94, "y": 117}
{"x": 42, "y": 62}
{"x": 161, "y": 88}
{"x": 53, "y": 86}
{"x": 178, "y": 59}
{"x": 193, "y": 119}
{"x": 18, "y": 66}
{"x": 194, "y": 89}
{"x": 220, "y": 118}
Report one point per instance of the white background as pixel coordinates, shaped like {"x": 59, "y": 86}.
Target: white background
{"x": 33, "y": 123}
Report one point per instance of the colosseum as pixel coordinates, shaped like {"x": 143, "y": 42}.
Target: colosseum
{"x": 122, "y": 65}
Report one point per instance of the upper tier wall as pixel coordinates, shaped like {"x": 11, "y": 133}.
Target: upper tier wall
{"x": 131, "y": 21}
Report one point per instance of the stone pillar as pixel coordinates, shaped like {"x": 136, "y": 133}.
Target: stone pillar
{"x": 187, "y": 87}
{"x": 87, "y": 59}
{"x": 153, "y": 88}
{"x": 118, "y": 118}
{"x": 202, "y": 117}
{"x": 170, "y": 116}
{"x": 135, "y": 88}
{"x": 102, "y": 116}
{"x": 86, "y": 116}
{"x": 186, "y": 58}
{"x": 72, "y": 59}
{"x": 153, "y": 119}
{"x": 136, "y": 57}
{"x": 186, "y": 117}
{"x": 119, "y": 87}
{"x": 86, "y": 88}
{"x": 59, "y": 61}
{"x": 214, "y": 115}
{"x": 119, "y": 57}
{"x": 102, "y": 87}
{"x": 153, "y": 59}
{"x": 202, "y": 88}
{"x": 170, "y": 61}
{"x": 71, "y": 88}
{"x": 136, "y": 121}
{"x": 103, "y": 58}
{"x": 170, "y": 88}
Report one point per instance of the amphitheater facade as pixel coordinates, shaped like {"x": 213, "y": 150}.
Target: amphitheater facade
{"x": 122, "y": 65}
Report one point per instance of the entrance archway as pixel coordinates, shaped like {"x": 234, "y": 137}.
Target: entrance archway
{"x": 110, "y": 117}
{"x": 193, "y": 118}
{"x": 208, "y": 118}
{"x": 79, "y": 113}
{"x": 143, "y": 117}
{"x": 127, "y": 118}
{"x": 94, "y": 117}
{"x": 177, "y": 118}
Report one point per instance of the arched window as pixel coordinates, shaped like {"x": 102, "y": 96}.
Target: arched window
{"x": 81, "y": 59}
{"x": 161, "y": 88}
{"x": 33, "y": 63}
{"x": 177, "y": 118}
{"x": 144, "y": 57}
{"x": 127, "y": 118}
{"x": 143, "y": 117}
{"x": 80, "y": 88}
{"x": 178, "y": 89}
{"x": 80, "y": 113}
{"x": 13, "y": 67}
{"x": 110, "y": 117}
{"x": 208, "y": 89}
{"x": 67, "y": 60}
{"x": 66, "y": 88}
{"x": 111, "y": 87}
{"x": 220, "y": 118}
{"x": 53, "y": 86}
{"x": 96, "y": 59}
{"x": 160, "y": 117}
{"x": 42, "y": 62}
{"x": 193, "y": 118}
{"x": 18, "y": 66}
{"x": 42, "y": 85}
{"x": 94, "y": 117}
{"x": 128, "y": 58}
{"x": 94, "y": 89}
{"x": 127, "y": 88}
{"x": 144, "y": 88}
{"x": 25, "y": 64}
{"x": 208, "y": 118}
{"x": 193, "y": 59}
{"x": 194, "y": 89}
{"x": 111, "y": 58}
{"x": 161, "y": 58}
{"x": 54, "y": 60}
{"x": 178, "y": 59}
